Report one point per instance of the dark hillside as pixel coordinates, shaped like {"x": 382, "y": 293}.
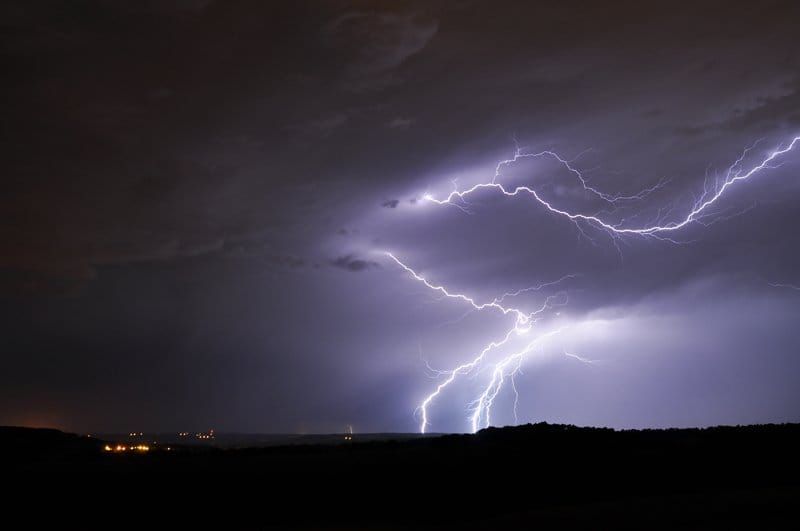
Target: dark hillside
{"x": 521, "y": 477}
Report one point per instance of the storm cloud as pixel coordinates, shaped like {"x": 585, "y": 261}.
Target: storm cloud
{"x": 188, "y": 186}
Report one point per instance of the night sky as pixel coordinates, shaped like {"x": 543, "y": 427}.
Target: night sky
{"x": 198, "y": 195}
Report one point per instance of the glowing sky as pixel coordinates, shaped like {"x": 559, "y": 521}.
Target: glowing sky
{"x": 199, "y": 195}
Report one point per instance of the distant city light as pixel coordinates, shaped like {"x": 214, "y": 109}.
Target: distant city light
{"x": 122, "y": 448}
{"x": 205, "y": 435}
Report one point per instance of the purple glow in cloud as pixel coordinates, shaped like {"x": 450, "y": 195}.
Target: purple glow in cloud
{"x": 507, "y": 365}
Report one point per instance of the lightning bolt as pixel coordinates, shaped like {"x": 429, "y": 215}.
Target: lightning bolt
{"x": 580, "y": 358}
{"x": 523, "y": 321}
{"x": 483, "y": 405}
{"x": 506, "y": 365}
{"x": 784, "y": 286}
{"x": 735, "y": 173}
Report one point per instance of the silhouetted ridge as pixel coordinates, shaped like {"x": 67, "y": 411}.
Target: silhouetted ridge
{"x": 589, "y": 477}
{"x": 18, "y": 442}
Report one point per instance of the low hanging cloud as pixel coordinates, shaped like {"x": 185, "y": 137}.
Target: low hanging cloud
{"x": 350, "y": 262}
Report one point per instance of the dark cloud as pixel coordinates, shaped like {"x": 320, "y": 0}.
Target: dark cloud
{"x": 376, "y": 43}
{"x": 323, "y": 126}
{"x": 166, "y": 164}
{"x": 288, "y": 261}
{"x": 350, "y": 263}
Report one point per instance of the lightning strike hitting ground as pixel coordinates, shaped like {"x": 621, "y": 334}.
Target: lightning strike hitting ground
{"x": 523, "y": 321}
{"x": 508, "y": 365}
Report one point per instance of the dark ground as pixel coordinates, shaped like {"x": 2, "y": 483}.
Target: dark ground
{"x": 529, "y": 477}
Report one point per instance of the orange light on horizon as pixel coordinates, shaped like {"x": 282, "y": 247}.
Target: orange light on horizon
{"x": 122, "y": 448}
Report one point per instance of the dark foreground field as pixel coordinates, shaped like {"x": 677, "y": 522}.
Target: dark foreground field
{"x": 530, "y": 477}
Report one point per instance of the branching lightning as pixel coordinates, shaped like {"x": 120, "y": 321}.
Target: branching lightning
{"x": 523, "y": 321}
{"x": 503, "y": 365}
{"x": 696, "y": 213}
